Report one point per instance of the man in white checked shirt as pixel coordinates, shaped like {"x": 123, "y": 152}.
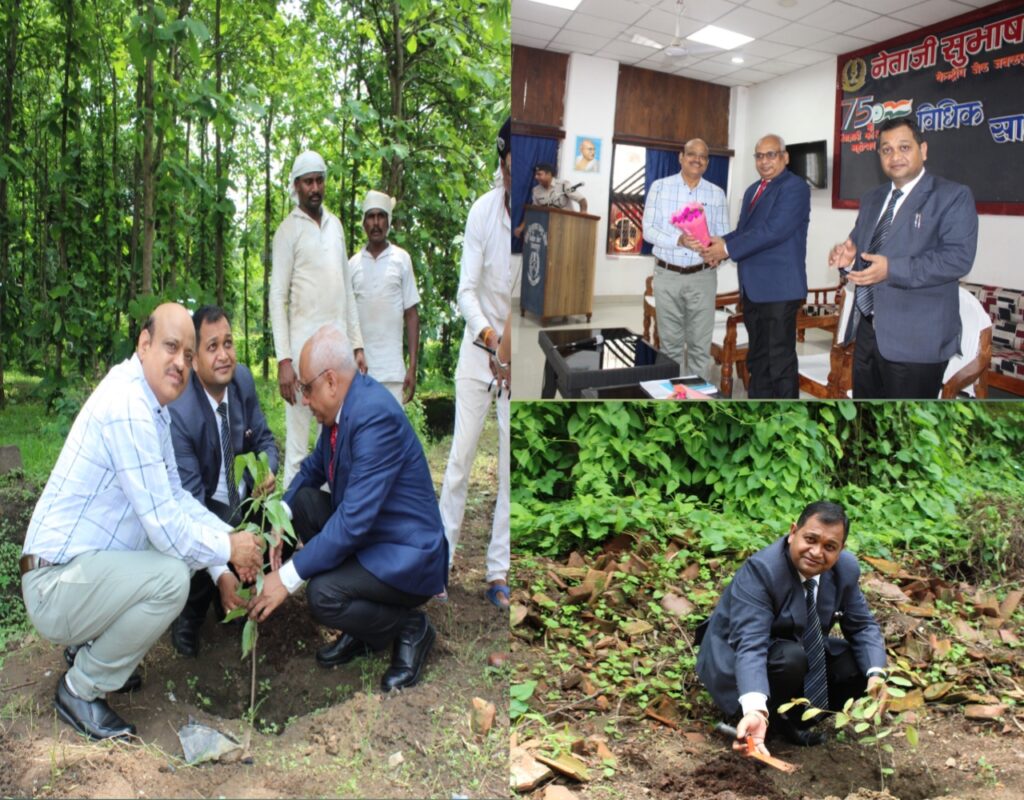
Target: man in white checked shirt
{"x": 684, "y": 283}
{"x": 108, "y": 552}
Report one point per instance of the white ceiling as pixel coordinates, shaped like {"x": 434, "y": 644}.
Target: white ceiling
{"x": 788, "y": 34}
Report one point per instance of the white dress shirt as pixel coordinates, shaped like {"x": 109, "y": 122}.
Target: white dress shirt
{"x": 384, "y": 288}
{"x": 485, "y": 279}
{"x": 310, "y": 283}
{"x": 116, "y": 486}
{"x": 664, "y": 199}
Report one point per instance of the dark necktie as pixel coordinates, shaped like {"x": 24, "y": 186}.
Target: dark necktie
{"x": 865, "y": 295}
{"x": 334, "y": 445}
{"x": 758, "y": 193}
{"x": 816, "y": 679}
{"x": 229, "y": 456}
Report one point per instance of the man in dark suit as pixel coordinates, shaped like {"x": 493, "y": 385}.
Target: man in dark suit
{"x": 769, "y": 246}
{"x": 757, "y": 651}
{"x": 916, "y": 237}
{"x": 221, "y": 392}
{"x": 374, "y": 548}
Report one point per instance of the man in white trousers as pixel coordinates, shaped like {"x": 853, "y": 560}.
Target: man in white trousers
{"x": 485, "y": 299}
{"x": 310, "y": 286}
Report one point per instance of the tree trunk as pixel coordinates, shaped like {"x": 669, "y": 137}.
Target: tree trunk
{"x": 268, "y": 210}
{"x": 218, "y": 219}
{"x": 6, "y": 122}
{"x": 62, "y": 207}
{"x": 245, "y": 267}
{"x": 393, "y": 169}
{"x": 148, "y": 169}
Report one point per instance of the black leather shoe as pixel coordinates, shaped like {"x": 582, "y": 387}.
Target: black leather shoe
{"x": 94, "y": 718}
{"x": 409, "y": 653}
{"x": 185, "y": 636}
{"x": 346, "y": 649}
{"x": 133, "y": 684}
{"x": 803, "y": 737}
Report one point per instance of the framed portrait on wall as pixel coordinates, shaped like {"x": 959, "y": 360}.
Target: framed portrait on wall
{"x": 588, "y": 154}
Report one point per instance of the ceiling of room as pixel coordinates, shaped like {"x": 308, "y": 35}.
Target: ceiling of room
{"x": 789, "y": 35}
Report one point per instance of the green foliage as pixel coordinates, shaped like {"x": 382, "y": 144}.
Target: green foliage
{"x": 519, "y": 696}
{"x": 739, "y": 474}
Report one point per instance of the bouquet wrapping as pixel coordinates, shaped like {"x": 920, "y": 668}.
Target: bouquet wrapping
{"x": 690, "y": 219}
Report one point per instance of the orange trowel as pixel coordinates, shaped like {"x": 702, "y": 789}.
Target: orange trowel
{"x": 729, "y": 732}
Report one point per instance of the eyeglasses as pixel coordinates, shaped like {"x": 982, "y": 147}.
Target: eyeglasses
{"x": 307, "y": 388}
{"x": 771, "y": 155}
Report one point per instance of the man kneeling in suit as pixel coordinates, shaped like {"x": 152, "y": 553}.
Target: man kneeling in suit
{"x": 374, "y": 548}
{"x": 757, "y": 650}
{"x": 217, "y": 417}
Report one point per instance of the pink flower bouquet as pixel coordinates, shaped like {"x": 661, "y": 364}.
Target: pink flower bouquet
{"x": 690, "y": 219}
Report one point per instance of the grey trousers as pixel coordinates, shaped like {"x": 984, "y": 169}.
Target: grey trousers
{"x": 686, "y": 317}
{"x": 121, "y": 601}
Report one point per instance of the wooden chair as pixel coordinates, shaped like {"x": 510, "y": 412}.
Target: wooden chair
{"x": 967, "y": 372}
{"x": 729, "y": 343}
{"x": 650, "y": 315}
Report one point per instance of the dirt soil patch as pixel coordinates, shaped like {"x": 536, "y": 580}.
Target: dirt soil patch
{"x": 317, "y": 732}
{"x": 955, "y": 760}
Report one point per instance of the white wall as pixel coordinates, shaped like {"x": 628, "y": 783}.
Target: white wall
{"x": 590, "y": 111}
{"x": 800, "y": 107}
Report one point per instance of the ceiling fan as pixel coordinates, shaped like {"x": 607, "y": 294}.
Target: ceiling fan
{"x": 678, "y": 48}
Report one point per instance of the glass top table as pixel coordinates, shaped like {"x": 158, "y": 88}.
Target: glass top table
{"x": 579, "y": 358}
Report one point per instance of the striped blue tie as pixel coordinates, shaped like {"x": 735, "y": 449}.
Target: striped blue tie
{"x": 816, "y": 679}
{"x": 228, "y": 451}
{"x": 864, "y": 298}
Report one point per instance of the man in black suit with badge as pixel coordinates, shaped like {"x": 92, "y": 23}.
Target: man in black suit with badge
{"x": 757, "y": 650}
{"x": 217, "y": 417}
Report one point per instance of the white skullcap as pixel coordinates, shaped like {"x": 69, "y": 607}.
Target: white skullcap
{"x": 378, "y": 200}
{"x": 305, "y": 163}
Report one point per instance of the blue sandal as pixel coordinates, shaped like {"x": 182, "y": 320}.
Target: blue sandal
{"x": 499, "y": 589}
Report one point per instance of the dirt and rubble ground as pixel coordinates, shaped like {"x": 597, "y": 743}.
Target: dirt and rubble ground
{"x": 318, "y": 732}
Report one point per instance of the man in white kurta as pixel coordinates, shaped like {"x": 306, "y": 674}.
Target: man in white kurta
{"x": 309, "y": 287}
{"x": 485, "y": 299}
{"x": 387, "y": 299}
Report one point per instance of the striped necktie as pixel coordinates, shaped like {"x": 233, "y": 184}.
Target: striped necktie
{"x": 816, "y": 679}
{"x": 865, "y": 295}
{"x": 229, "y": 456}
{"x": 334, "y": 445}
{"x": 758, "y": 193}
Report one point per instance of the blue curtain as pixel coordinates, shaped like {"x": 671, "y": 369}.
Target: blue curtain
{"x": 527, "y": 151}
{"x": 662, "y": 163}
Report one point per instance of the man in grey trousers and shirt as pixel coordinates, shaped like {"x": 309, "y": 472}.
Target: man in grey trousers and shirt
{"x": 108, "y": 552}
{"x": 684, "y": 283}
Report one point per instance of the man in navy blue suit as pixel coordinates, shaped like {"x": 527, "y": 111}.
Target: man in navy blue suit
{"x": 769, "y": 246}
{"x": 221, "y": 393}
{"x": 373, "y": 548}
{"x": 916, "y": 238}
{"x": 757, "y": 650}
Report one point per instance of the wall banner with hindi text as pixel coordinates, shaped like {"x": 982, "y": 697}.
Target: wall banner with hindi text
{"x": 961, "y": 80}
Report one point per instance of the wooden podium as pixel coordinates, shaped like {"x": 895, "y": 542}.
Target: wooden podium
{"x": 558, "y": 263}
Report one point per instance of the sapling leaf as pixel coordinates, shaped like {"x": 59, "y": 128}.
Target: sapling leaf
{"x": 860, "y": 727}
{"x": 892, "y": 691}
{"x": 901, "y": 681}
{"x": 235, "y": 613}
{"x": 842, "y": 720}
{"x": 259, "y": 583}
{"x": 811, "y": 713}
{"x": 248, "y": 637}
{"x": 911, "y": 733}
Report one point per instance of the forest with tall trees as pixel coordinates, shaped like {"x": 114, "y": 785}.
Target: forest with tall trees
{"x": 145, "y": 148}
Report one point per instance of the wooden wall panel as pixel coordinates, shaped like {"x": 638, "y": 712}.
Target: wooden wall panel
{"x": 538, "y": 88}
{"x": 657, "y": 108}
